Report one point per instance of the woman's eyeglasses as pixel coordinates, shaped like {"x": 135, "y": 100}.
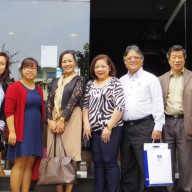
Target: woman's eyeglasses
{"x": 30, "y": 68}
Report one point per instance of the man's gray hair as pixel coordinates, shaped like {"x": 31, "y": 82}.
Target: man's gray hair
{"x": 136, "y": 49}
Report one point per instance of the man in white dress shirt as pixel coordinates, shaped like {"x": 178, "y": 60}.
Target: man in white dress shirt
{"x": 143, "y": 118}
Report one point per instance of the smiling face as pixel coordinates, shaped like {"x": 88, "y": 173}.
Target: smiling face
{"x": 28, "y": 69}
{"x": 133, "y": 61}
{"x": 29, "y": 72}
{"x": 101, "y": 69}
{"x": 68, "y": 64}
{"x": 176, "y": 61}
{"x": 2, "y": 64}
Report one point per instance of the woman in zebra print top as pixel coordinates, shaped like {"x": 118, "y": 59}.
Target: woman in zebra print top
{"x": 102, "y": 110}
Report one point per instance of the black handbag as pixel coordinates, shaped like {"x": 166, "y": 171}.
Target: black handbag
{"x": 86, "y": 144}
{"x": 1, "y": 143}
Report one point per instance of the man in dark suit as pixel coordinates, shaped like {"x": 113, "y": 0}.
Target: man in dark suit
{"x": 177, "y": 132}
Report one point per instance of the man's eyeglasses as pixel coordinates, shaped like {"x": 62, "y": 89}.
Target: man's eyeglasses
{"x": 30, "y": 68}
{"x": 136, "y": 58}
{"x": 177, "y": 57}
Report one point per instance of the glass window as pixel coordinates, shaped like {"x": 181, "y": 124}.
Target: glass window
{"x": 29, "y": 24}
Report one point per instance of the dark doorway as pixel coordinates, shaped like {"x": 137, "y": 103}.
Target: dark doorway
{"x": 117, "y": 24}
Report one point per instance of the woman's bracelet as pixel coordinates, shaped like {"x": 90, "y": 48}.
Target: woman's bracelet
{"x": 109, "y": 127}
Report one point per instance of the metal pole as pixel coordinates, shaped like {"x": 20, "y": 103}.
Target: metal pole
{"x": 174, "y": 14}
{"x": 185, "y": 20}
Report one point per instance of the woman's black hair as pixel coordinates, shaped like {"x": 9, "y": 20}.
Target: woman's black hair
{"x": 5, "y": 77}
{"x": 72, "y": 52}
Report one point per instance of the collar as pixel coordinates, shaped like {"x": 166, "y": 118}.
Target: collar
{"x": 177, "y": 75}
{"x": 137, "y": 74}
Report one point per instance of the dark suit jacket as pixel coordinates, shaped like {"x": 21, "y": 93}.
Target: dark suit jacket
{"x": 187, "y": 98}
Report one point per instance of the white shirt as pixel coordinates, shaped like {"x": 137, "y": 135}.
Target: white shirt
{"x": 2, "y": 95}
{"x": 143, "y": 97}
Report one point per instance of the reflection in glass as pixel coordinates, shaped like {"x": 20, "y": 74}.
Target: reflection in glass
{"x": 30, "y": 24}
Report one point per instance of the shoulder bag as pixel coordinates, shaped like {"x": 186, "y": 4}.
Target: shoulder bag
{"x": 57, "y": 170}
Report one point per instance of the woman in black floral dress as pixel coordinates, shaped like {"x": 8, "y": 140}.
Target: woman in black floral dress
{"x": 64, "y": 115}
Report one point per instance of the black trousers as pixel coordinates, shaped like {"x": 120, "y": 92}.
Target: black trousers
{"x": 105, "y": 160}
{"x": 132, "y": 169}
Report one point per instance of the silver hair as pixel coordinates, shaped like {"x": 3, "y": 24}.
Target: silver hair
{"x": 136, "y": 49}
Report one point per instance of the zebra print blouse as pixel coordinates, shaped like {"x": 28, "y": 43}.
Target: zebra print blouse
{"x": 101, "y": 103}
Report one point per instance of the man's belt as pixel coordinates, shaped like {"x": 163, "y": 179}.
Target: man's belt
{"x": 134, "y": 122}
{"x": 178, "y": 116}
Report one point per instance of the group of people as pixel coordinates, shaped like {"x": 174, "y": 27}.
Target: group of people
{"x": 117, "y": 115}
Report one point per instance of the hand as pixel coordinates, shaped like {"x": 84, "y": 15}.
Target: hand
{"x": 60, "y": 126}
{"x": 106, "y": 134}
{"x": 156, "y": 135}
{"x": 87, "y": 131}
{"x": 12, "y": 138}
{"x": 52, "y": 125}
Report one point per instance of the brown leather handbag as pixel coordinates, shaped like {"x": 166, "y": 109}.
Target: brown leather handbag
{"x": 57, "y": 170}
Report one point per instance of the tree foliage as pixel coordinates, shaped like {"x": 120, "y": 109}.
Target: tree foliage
{"x": 11, "y": 58}
{"x": 11, "y": 55}
{"x": 83, "y": 61}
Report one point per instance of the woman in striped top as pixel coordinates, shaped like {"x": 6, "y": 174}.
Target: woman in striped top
{"x": 102, "y": 110}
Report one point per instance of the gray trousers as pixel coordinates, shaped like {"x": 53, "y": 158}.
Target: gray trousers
{"x": 174, "y": 135}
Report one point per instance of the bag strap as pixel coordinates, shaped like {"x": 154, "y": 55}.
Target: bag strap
{"x": 153, "y": 141}
{"x": 61, "y": 146}
{"x": 48, "y": 155}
